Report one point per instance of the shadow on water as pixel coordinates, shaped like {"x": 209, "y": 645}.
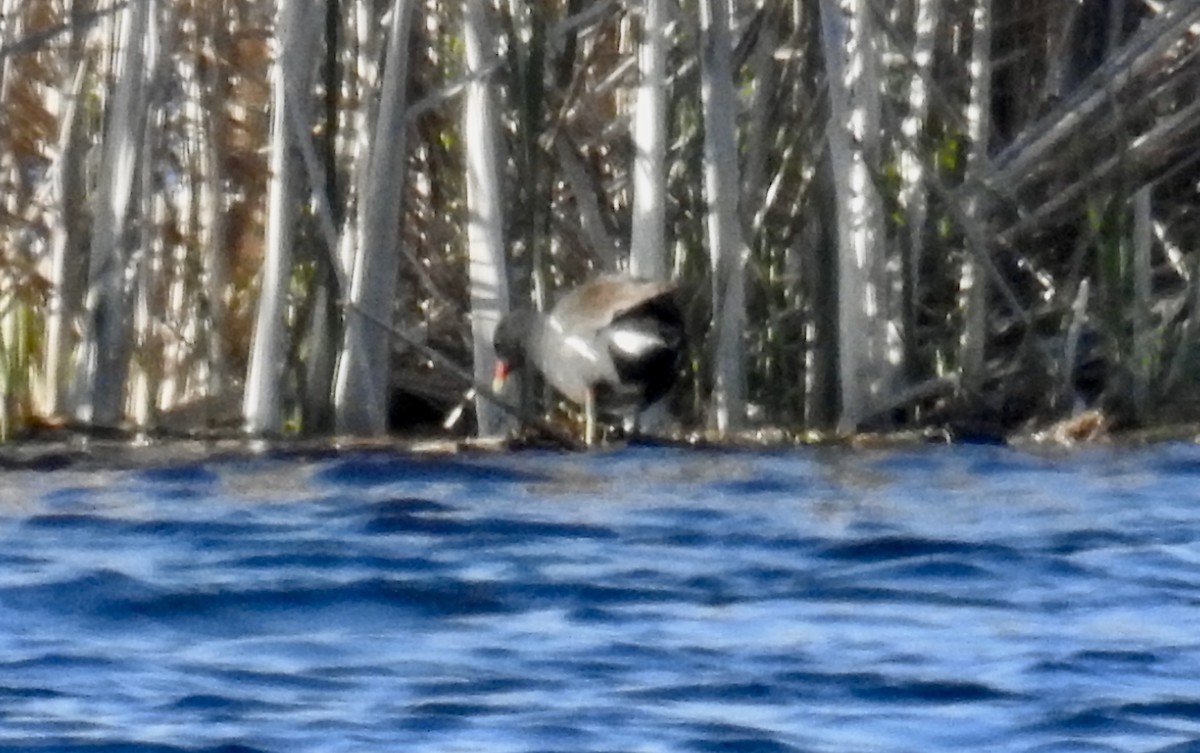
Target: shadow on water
{"x": 381, "y": 469}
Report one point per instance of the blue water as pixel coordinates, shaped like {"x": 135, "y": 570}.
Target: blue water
{"x": 646, "y": 599}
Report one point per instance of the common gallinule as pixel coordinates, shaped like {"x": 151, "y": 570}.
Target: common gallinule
{"x": 612, "y": 345}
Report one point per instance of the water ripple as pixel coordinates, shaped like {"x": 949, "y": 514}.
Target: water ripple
{"x": 928, "y": 599}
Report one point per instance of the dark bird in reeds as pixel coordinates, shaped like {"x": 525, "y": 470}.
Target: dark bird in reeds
{"x": 613, "y": 345}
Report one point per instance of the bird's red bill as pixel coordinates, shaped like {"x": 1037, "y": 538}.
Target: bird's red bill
{"x": 500, "y": 377}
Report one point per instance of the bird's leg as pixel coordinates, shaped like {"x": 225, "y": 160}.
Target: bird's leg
{"x": 633, "y": 425}
{"x": 589, "y": 414}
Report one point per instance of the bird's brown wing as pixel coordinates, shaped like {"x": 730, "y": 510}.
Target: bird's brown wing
{"x": 597, "y": 303}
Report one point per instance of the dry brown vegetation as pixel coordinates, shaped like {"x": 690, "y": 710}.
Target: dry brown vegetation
{"x": 1064, "y": 249}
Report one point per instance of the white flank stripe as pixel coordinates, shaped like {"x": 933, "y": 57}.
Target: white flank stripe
{"x": 580, "y": 346}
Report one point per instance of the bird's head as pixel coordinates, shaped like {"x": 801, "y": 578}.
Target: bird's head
{"x": 509, "y": 342}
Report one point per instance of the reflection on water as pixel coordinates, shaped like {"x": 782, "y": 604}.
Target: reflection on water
{"x": 947, "y": 598}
